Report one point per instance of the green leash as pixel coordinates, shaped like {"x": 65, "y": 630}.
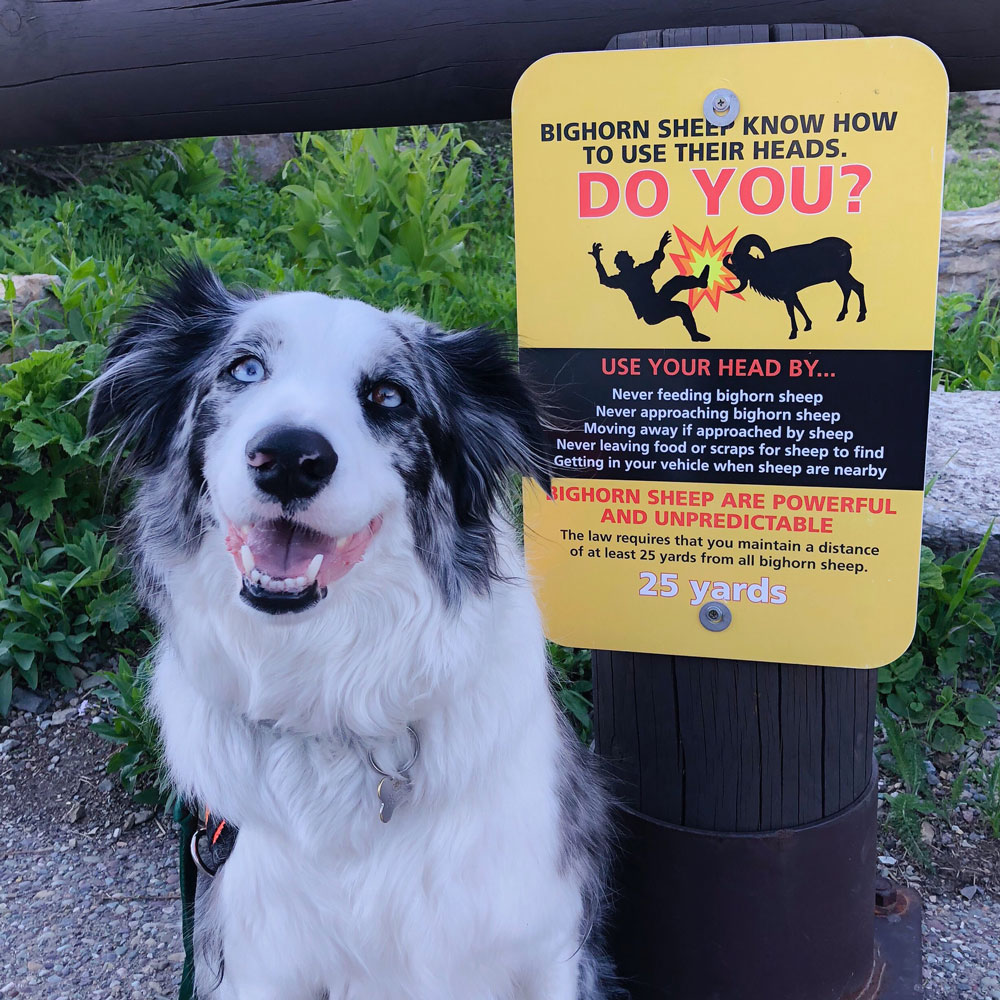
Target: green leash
{"x": 189, "y": 881}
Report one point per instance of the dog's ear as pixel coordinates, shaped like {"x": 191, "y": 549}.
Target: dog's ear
{"x": 492, "y": 425}
{"x": 156, "y": 362}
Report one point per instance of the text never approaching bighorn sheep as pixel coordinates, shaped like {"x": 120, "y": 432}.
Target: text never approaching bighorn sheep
{"x": 782, "y": 274}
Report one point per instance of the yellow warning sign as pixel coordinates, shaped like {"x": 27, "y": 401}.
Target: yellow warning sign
{"x": 726, "y": 271}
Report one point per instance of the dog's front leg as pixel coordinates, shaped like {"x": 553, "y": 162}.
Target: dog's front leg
{"x": 238, "y": 954}
{"x": 559, "y": 981}
{"x": 261, "y": 976}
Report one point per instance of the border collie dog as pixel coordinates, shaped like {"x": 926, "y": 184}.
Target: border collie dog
{"x": 351, "y": 669}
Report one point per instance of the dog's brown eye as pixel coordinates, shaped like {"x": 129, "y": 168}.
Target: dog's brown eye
{"x": 386, "y": 394}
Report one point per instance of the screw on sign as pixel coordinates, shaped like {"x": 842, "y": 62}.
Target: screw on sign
{"x": 721, "y": 108}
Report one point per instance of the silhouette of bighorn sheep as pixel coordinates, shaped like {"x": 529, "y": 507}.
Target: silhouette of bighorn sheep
{"x": 782, "y": 274}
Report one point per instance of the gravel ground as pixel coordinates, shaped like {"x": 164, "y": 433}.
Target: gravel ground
{"x": 89, "y": 903}
{"x": 961, "y": 949}
{"x": 89, "y": 900}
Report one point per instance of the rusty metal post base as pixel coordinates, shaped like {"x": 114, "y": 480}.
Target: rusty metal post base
{"x": 780, "y": 915}
{"x": 899, "y": 941}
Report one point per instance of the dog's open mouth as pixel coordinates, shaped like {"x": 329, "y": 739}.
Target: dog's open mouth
{"x": 287, "y": 566}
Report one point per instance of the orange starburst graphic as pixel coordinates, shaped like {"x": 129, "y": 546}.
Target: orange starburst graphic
{"x": 695, "y": 256}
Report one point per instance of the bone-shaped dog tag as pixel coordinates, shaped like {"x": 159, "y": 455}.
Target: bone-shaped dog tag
{"x": 391, "y": 792}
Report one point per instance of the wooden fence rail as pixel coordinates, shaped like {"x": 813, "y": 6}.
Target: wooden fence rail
{"x": 74, "y": 71}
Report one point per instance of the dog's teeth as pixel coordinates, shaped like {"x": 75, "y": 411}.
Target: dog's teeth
{"x": 300, "y": 582}
{"x": 313, "y": 571}
{"x": 247, "y": 556}
{"x": 264, "y": 580}
{"x": 341, "y": 542}
{"x": 255, "y": 576}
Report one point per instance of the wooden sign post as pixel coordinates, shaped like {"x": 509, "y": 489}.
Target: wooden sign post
{"x": 727, "y": 266}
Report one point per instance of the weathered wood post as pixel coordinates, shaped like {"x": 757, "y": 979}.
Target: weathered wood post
{"x": 748, "y": 787}
{"x": 750, "y": 794}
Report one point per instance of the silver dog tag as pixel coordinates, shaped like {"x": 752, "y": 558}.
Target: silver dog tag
{"x": 391, "y": 792}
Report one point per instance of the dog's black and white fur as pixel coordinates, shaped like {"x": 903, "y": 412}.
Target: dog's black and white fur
{"x": 266, "y": 432}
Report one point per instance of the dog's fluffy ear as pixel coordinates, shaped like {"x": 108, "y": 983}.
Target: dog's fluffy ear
{"x": 492, "y": 423}
{"x": 154, "y": 365}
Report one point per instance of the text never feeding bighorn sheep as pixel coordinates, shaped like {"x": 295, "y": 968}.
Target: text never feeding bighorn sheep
{"x": 782, "y": 274}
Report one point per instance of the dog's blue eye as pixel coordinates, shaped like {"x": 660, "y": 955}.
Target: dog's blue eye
{"x": 386, "y": 394}
{"x": 247, "y": 370}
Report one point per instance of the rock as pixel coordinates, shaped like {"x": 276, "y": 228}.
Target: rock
{"x": 985, "y": 153}
{"x": 969, "y": 891}
{"x": 962, "y": 453}
{"x": 9, "y": 745}
{"x": 926, "y": 832}
{"x": 970, "y": 250}
{"x": 75, "y": 813}
{"x": 32, "y": 299}
{"x": 105, "y": 786}
{"x": 63, "y": 715}
{"x": 989, "y": 103}
{"x": 79, "y": 673}
{"x": 265, "y": 153}
{"x": 143, "y": 816}
{"x": 951, "y": 156}
{"x": 27, "y": 701}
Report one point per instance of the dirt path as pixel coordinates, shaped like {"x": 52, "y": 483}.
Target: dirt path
{"x": 90, "y": 909}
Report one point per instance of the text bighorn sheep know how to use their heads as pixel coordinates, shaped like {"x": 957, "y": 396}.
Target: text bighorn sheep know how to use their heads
{"x": 782, "y": 274}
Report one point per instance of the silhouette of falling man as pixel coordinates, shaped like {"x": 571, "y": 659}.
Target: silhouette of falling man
{"x": 636, "y": 281}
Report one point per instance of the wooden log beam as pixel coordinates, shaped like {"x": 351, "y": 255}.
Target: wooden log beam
{"x": 74, "y": 71}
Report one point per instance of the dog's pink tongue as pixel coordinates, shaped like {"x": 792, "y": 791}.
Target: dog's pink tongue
{"x": 282, "y": 550}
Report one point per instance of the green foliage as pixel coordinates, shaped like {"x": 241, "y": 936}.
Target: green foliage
{"x": 970, "y": 183}
{"x": 60, "y": 585}
{"x": 908, "y": 808}
{"x": 966, "y": 123}
{"x": 988, "y": 779}
{"x": 378, "y": 216}
{"x": 139, "y": 762}
{"x": 967, "y": 342}
{"x": 955, "y": 639}
{"x": 186, "y": 169}
{"x": 571, "y": 679}
{"x": 907, "y": 752}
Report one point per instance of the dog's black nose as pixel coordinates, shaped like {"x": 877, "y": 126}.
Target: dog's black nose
{"x": 290, "y": 463}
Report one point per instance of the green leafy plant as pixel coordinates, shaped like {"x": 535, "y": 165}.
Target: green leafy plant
{"x": 908, "y": 808}
{"x": 139, "y": 762}
{"x": 967, "y": 342}
{"x": 573, "y": 687}
{"x": 988, "y": 779}
{"x": 377, "y": 213}
{"x": 61, "y": 586}
{"x": 955, "y": 636}
{"x": 971, "y": 182}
